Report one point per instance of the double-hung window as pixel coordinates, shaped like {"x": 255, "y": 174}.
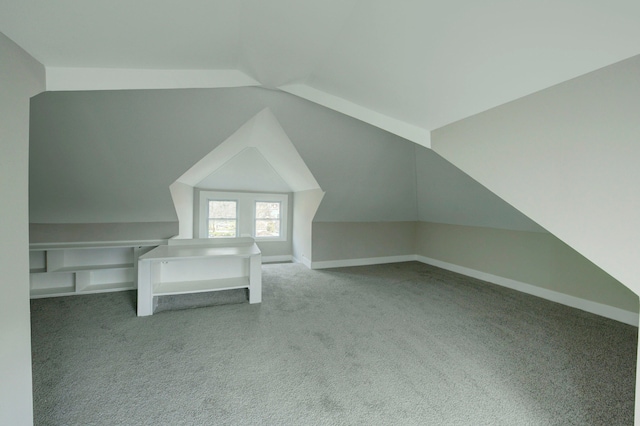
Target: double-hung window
{"x": 238, "y": 214}
{"x": 267, "y": 219}
{"x": 222, "y": 219}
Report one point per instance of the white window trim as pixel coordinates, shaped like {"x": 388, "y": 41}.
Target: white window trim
{"x": 207, "y": 218}
{"x": 255, "y": 219}
{"x": 246, "y": 213}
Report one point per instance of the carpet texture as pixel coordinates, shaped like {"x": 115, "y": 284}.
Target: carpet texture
{"x": 398, "y": 344}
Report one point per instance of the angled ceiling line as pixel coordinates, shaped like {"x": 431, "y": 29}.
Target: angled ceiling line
{"x": 78, "y": 79}
{"x": 400, "y": 128}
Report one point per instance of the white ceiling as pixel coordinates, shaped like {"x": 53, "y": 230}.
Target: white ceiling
{"x": 414, "y": 63}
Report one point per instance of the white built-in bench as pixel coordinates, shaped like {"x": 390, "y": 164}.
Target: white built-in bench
{"x": 73, "y": 268}
{"x": 199, "y": 265}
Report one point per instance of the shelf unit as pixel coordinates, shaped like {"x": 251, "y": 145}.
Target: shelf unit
{"x": 64, "y": 269}
{"x": 197, "y": 266}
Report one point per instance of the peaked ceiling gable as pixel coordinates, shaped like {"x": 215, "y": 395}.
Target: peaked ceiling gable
{"x": 247, "y": 171}
{"x": 263, "y": 133}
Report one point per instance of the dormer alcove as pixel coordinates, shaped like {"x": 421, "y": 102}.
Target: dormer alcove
{"x": 258, "y": 158}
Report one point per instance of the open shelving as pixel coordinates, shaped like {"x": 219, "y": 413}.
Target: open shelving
{"x": 64, "y": 269}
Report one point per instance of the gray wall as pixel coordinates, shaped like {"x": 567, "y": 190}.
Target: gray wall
{"x": 567, "y": 157}
{"x": 91, "y": 232}
{"x": 362, "y": 240}
{"x": 447, "y": 195}
{"x": 104, "y": 157}
{"x": 305, "y": 205}
{"x": 109, "y": 157}
{"x": 534, "y": 258}
{"x": 20, "y": 78}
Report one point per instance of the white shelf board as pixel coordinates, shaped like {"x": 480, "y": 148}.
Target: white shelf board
{"x": 100, "y": 288}
{"x": 183, "y": 287}
{"x": 53, "y": 291}
{"x": 96, "y": 244}
{"x": 193, "y": 252}
{"x": 93, "y": 267}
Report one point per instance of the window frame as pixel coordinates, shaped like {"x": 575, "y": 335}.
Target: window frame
{"x": 256, "y": 219}
{"x": 208, "y": 218}
{"x": 245, "y": 212}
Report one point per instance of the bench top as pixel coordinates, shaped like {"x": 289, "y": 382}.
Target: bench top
{"x": 168, "y": 252}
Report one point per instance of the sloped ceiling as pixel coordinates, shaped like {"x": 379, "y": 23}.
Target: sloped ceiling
{"x": 414, "y": 63}
{"x": 247, "y": 171}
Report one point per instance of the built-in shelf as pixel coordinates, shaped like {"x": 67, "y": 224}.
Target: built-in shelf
{"x": 184, "y": 287}
{"x": 103, "y": 288}
{"x": 78, "y": 268}
{"x": 64, "y": 269}
{"x": 198, "y": 266}
{"x": 52, "y": 292}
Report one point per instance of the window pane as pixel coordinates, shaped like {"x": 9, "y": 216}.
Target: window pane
{"x": 222, "y": 228}
{"x": 267, "y": 228}
{"x": 222, "y": 209}
{"x": 268, "y": 210}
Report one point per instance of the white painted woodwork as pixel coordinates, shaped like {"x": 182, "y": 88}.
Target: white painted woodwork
{"x": 245, "y": 212}
{"x": 199, "y": 265}
{"x": 80, "y": 268}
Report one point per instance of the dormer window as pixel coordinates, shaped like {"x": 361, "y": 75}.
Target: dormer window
{"x": 267, "y": 219}
{"x": 222, "y": 219}
{"x": 236, "y": 214}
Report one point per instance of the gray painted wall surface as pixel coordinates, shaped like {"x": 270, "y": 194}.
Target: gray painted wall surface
{"x": 305, "y": 205}
{"x": 21, "y": 77}
{"x": 361, "y": 240}
{"x": 534, "y": 258}
{"x": 91, "y": 232}
{"x": 567, "y": 157}
{"x": 111, "y": 156}
{"x": 447, "y": 195}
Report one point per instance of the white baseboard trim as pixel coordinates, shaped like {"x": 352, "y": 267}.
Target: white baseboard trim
{"x": 362, "y": 262}
{"x": 275, "y": 259}
{"x": 305, "y": 261}
{"x": 606, "y": 311}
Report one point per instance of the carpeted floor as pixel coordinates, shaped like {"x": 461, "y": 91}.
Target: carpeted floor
{"x": 399, "y": 344}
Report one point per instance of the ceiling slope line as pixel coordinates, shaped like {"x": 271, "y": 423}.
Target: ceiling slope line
{"x": 400, "y": 128}
{"x": 75, "y": 79}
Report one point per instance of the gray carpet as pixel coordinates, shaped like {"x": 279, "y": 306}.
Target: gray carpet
{"x": 400, "y": 344}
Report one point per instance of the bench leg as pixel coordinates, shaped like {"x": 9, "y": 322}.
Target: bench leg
{"x": 255, "y": 279}
{"x": 145, "y": 298}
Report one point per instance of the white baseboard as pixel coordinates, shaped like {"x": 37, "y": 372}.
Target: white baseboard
{"x": 606, "y": 311}
{"x": 603, "y": 310}
{"x": 361, "y": 262}
{"x": 276, "y": 259}
{"x": 305, "y": 261}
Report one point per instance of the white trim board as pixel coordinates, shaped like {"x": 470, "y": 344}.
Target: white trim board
{"x": 305, "y": 261}
{"x": 277, "y": 259}
{"x": 361, "y": 262}
{"x": 596, "y": 308}
{"x": 600, "y": 309}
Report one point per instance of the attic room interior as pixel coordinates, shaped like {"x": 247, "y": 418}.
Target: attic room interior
{"x": 457, "y": 192}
